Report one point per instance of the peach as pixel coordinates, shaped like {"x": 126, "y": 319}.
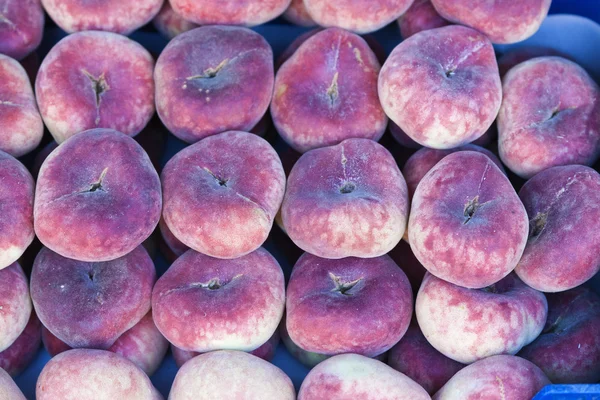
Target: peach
{"x": 550, "y": 116}
{"x": 95, "y": 80}
{"x": 401, "y": 137}
{"x": 21, "y": 27}
{"x": 352, "y": 376}
{"x": 15, "y": 304}
{"x": 563, "y": 250}
{"x": 118, "y": 16}
{"x": 422, "y": 161}
{"x": 421, "y": 16}
{"x": 24, "y": 349}
{"x": 174, "y": 246}
{"x": 502, "y": 21}
{"x": 8, "y": 388}
{"x": 327, "y": 92}
{"x": 229, "y": 12}
{"x": 568, "y": 350}
{"x": 97, "y": 197}
{"x": 16, "y": 209}
{"x": 346, "y": 200}
{"x": 467, "y": 224}
{"x": 91, "y": 304}
{"x": 351, "y": 305}
{"x": 307, "y": 358}
{"x": 143, "y": 345}
{"x": 405, "y": 258}
{"x": 467, "y": 325}
{"x": 169, "y": 23}
{"x": 297, "y": 14}
{"x": 266, "y": 351}
{"x": 221, "y": 194}
{"x": 231, "y": 375}
{"x": 21, "y": 126}
{"x": 441, "y": 86}
{"x": 497, "y": 377}
{"x": 84, "y": 374}
{"x": 522, "y": 54}
{"x": 356, "y": 16}
{"x": 417, "y": 359}
{"x": 203, "y": 303}
{"x": 213, "y": 79}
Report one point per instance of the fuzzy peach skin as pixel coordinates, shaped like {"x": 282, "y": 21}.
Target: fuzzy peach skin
{"x": 346, "y": 200}
{"x": 297, "y": 14}
{"x": 8, "y": 388}
{"x": 467, "y": 325}
{"x": 467, "y": 224}
{"x": 417, "y": 359}
{"x": 221, "y": 194}
{"x": 327, "y": 92}
{"x": 350, "y": 305}
{"x": 91, "y": 304}
{"x": 97, "y": 197}
{"x": 497, "y": 377}
{"x": 356, "y": 16}
{"x": 213, "y": 79}
{"x": 24, "y": 349}
{"x": 266, "y": 351}
{"x": 404, "y": 140}
{"x": 550, "y": 116}
{"x": 16, "y": 209}
{"x": 568, "y": 350}
{"x": 421, "y": 16}
{"x": 21, "y": 126}
{"x": 231, "y": 375}
{"x": 169, "y": 23}
{"x": 84, "y": 374}
{"x": 95, "y": 80}
{"x": 203, "y": 304}
{"x": 352, "y": 376}
{"x": 563, "y": 250}
{"x": 15, "y": 304}
{"x": 118, "y": 16}
{"x": 229, "y": 12}
{"x": 503, "y": 21}
{"x": 21, "y": 27}
{"x": 143, "y": 345}
{"x": 422, "y": 161}
{"x": 514, "y": 57}
{"x": 442, "y": 87}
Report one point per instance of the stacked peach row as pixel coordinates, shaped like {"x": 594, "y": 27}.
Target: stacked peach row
{"x": 462, "y": 285}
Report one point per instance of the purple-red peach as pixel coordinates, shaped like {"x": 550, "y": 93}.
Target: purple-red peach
{"x": 346, "y": 200}
{"x": 229, "y": 12}
{"x": 91, "y": 304}
{"x": 213, "y": 79}
{"x": 327, "y": 92}
{"x": 21, "y": 126}
{"x": 24, "y": 349}
{"x": 467, "y": 225}
{"x": 550, "y": 116}
{"x": 15, "y": 304}
{"x": 421, "y": 16}
{"x": 97, "y": 197}
{"x": 563, "y": 248}
{"x": 171, "y": 24}
{"x": 442, "y": 87}
{"x": 502, "y": 21}
{"x": 84, "y": 374}
{"x": 21, "y": 27}
{"x": 497, "y": 377}
{"x": 467, "y": 325}
{"x": 203, "y": 304}
{"x": 95, "y": 80}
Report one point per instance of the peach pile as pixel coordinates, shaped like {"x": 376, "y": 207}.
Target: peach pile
{"x": 302, "y": 210}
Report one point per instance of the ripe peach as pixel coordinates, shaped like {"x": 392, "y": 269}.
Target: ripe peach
{"x": 467, "y": 224}
{"x": 297, "y": 14}
{"x": 16, "y": 304}
{"x": 95, "y": 80}
{"x": 229, "y": 12}
{"x": 550, "y": 116}
{"x": 442, "y": 86}
{"x": 346, "y": 200}
{"x": 421, "y": 16}
{"x": 213, "y": 79}
{"x": 8, "y": 388}
{"x": 171, "y": 24}
{"x": 327, "y": 92}
{"x": 24, "y": 349}
{"x": 21, "y": 27}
